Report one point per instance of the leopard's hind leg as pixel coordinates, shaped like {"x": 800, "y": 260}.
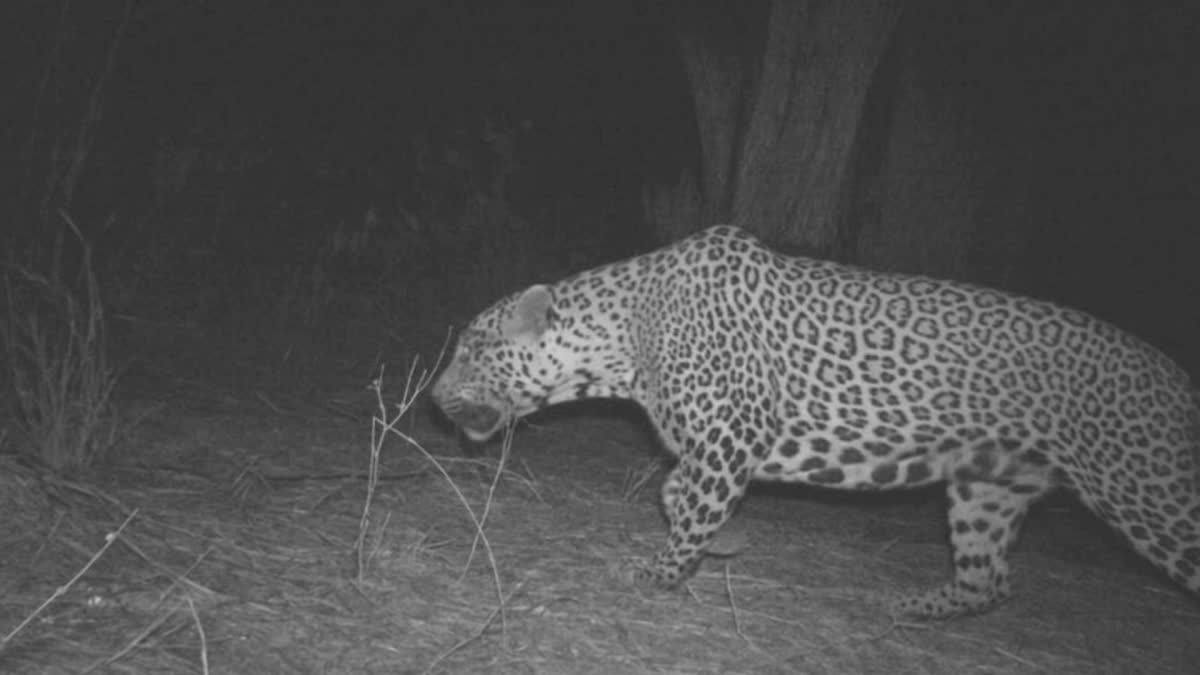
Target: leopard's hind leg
{"x": 990, "y": 490}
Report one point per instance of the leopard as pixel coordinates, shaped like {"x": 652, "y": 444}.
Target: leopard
{"x": 753, "y": 365}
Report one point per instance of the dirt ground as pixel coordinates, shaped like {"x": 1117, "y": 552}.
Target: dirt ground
{"x": 247, "y": 486}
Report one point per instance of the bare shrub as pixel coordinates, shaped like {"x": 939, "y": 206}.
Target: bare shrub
{"x": 53, "y": 332}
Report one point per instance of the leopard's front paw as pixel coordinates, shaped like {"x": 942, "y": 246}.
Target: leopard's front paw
{"x": 640, "y": 573}
{"x": 631, "y": 571}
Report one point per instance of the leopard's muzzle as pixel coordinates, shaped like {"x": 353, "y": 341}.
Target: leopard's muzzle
{"x": 477, "y": 420}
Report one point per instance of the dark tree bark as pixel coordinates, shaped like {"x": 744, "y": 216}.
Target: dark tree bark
{"x": 817, "y": 66}
{"x": 777, "y": 131}
{"x": 857, "y": 131}
{"x": 718, "y": 71}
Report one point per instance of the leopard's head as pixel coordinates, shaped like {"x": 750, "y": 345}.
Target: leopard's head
{"x": 502, "y": 369}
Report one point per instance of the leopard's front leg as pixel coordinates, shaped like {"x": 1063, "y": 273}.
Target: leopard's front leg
{"x": 698, "y": 497}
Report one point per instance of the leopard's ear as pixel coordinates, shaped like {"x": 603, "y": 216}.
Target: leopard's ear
{"x": 532, "y": 314}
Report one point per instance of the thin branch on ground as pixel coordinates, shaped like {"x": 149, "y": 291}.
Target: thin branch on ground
{"x": 381, "y": 424}
{"x": 200, "y": 632}
{"x": 133, "y": 644}
{"x": 505, "y": 452}
{"x": 61, "y": 590}
{"x": 498, "y": 611}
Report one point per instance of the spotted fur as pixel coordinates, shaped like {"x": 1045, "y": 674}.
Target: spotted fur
{"x": 757, "y": 366}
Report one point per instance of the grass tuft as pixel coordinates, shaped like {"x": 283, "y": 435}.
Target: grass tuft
{"x": 55, "y": 353}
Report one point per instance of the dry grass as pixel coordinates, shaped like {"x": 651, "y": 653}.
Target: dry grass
{"x": 56, "y": 357}
{"x": 640, "y": 475}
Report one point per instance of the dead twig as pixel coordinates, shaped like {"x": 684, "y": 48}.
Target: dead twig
{"x": 61, "y": 590}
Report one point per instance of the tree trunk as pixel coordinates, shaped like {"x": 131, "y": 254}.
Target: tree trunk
{"x": 718, "y": 70}
{"x": 919, "y": 164}
{"x": 777, "y": 138}
{"x": 817, "y": 66}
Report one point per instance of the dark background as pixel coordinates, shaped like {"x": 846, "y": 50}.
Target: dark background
{"x": 332, "y": 160}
